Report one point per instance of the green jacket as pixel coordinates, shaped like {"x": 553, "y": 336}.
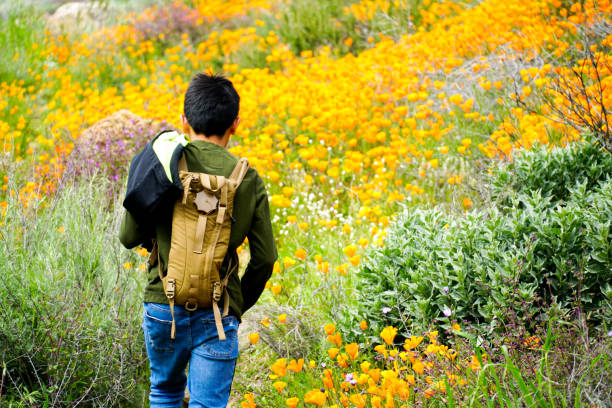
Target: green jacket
{"x": 252, "y": 220}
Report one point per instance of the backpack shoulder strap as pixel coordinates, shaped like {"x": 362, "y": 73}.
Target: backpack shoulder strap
{"x": 239, "y": 171}
{"x": 182, "y": 163}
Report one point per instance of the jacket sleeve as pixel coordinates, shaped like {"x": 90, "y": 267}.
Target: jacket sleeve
{"x": 130, "y": 234}
{"x": 262, "y": 248}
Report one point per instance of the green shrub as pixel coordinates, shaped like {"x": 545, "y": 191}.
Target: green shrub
{"x": 69, "y": 304}
{"x": 553, "y": 172}
{"x": 491, "y": 267}
{"x": 307, "y": 24}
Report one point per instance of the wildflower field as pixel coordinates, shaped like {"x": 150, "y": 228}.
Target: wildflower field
{"x": 439, "y": 181}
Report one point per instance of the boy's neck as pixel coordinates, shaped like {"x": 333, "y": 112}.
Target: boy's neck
{"x": 218, "y": 140}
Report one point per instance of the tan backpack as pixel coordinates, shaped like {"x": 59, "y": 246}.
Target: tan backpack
{"x": 201, "y": 225}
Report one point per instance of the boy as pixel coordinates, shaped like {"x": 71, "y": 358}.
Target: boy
{"x": 210, "y": 118}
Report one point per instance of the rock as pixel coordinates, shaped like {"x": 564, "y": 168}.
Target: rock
{"x": 76, "y": 16}
{"x": 107, "y": 147}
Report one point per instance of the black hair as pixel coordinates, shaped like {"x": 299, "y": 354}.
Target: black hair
{"x": 211, "y": 104}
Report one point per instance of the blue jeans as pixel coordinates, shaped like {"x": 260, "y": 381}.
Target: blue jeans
{"x": 211, "y": 361}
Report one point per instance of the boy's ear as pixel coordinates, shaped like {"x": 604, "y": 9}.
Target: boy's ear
{"x": 185, "y": 124}
{"x": 234, "y": 126}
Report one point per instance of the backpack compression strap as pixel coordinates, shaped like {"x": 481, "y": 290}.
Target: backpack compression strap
{"x": 235, "y": 179}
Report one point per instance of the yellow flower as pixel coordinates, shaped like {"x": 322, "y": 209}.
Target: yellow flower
{"x": 279, "y": 385}
{"x": 329, "y": 328}
{"x": 350, "y": 250}
{"x": 282, "y": 318}
{"x": 388, "y": 334}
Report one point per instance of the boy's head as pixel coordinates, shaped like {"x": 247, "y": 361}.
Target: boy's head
{"x": 211, "y": 105}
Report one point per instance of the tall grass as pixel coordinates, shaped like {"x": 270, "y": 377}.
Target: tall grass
{"x": 22, "y": 27}
{"x": 70, "y": 308}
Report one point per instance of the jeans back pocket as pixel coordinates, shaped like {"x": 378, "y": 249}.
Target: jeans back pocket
{"x": 220, "y": 349}
{"x": 157, "y": 325}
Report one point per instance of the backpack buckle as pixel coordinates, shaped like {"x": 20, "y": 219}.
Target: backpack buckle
{"x": 216, "y": 291}
{"x": 170, "y": 287}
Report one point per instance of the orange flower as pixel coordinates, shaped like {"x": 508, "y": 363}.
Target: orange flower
{"x": 363, "y": 325}
{"x": 279, "y": 385}
{"x": 315, "y": 397}
{"x": 254, "y": 338}
{"x": 279, "y": 367}
{"x": 292, "y": 402}
{"x": 296, "y": 366}
{"x": 342, "y": 269}
{"x": 250, "y": 401}
{"x": 475, "y": 363}
{"x": 282, "y": 318}
{"x": 359, "y": 400}
{"x": 328, "y": 380}
{"x": 342, "y": 360}
{"x": 418, "y": 367}
{"x": 329, "y": 328}
{"x": 336, "y": 339}
{"x": 412, "y": 342}
{"x": 333, "y": 352}
{"x": 300, "y": 253}
{"x": 352, "y": 350}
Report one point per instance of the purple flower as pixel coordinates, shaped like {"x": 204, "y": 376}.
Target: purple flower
{"x": 386, "y": 310}
{"x": 348, "y": 377}
{"x": 445, "y": 289}
{"x": 447, "y": 312}
{"x": 610, "y": 333}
